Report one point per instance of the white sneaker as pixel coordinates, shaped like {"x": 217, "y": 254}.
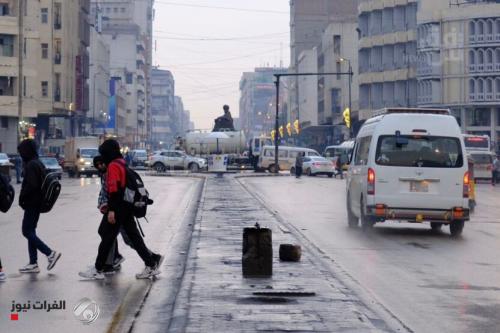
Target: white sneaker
{"x": 30, "y": 268}
{"x": 147, "y": 273}
{"x": 3, "y": 276}
{"x": 92, "y": 274}
{"x": 53, "y": 258}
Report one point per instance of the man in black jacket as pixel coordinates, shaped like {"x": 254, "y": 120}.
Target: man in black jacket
{"x": 30, "y": 200}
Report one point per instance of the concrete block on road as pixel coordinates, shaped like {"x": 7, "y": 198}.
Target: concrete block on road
{"x": 290, "y": 252}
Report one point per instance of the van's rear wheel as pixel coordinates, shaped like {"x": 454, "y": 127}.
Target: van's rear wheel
{"x": 367, "y": 223}
{"x": 273, "y": 168}
{"x": 456, "y": 228}
{"x": 436, "y": 226}
{"x": 352, "y": 220}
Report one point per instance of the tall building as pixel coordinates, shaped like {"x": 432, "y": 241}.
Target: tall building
{"x": 257, "y": 101}
{"x": 44, "y": 72}
{"x": 163, "y": 102}
{"x": 387, "y": 54}
{"x": 183, "y": 117}
{"x": 459, "y": 62}
{"x": 127, "y": 27}
{"x": 308, "y": 22}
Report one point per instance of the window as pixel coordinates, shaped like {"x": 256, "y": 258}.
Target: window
{"x": 129, "y": 79}
{"x": 45, "y": 89}
{"x": 24, "y": 86}
{"x": 336, "y": 45}
{"x": 123, "y": 9}
{"x": 44, "y": 15}
{"x": 419, "y": 151}
{"x": 269, "y": 153}
{"x": 45, "y": 51}
{"x": 5, "y": 122}
{"x": 283, "y": 153}
{"x": 115, "y": 10}
{"x": 362, "y": 151}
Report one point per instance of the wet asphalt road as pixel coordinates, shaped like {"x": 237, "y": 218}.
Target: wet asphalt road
{"x": 429, "y": 281}
{"x": 72, "y": 229}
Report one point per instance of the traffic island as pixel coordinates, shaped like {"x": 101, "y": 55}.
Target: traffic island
{"x": 215, "y": 296}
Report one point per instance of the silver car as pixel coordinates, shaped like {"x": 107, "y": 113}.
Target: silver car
{"x": 176, "y": 160}
{"x": 317, "y": 165}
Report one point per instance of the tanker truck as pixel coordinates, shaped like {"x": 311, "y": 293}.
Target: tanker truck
{"x": 243, "y": 154}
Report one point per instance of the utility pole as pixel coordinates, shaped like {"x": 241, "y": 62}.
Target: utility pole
{"x": 20, "y": 77}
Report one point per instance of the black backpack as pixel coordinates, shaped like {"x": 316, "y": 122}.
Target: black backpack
{"x": 51, "y": 188}
{"x": 136, "y": 196}
{"x": 6, "y": 193}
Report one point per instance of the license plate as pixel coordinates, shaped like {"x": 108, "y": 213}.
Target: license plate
{"x": 419, "y": 186}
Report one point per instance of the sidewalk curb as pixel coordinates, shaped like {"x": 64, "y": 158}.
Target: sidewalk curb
{"x": 334, "y": 269}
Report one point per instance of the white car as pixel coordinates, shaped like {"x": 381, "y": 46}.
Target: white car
{"x": 317, "y": 165}
{"x": 409, "y": 165}
{"x": 176, "y": 160}
{"x": 4, "y": 160}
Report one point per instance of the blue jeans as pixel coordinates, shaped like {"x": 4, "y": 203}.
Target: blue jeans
{"x": 35, "y": 244}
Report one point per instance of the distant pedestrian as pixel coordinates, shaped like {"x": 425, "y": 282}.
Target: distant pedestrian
{"x": 30, "y": 200}
{"x": 118, "y": 215}
{"x": 18, "y": 165}
{"x": 299, "y": 162}
{"x": 128, "y": 158}
{"x": 495, "y": 170}
{"x": 3, "y": 277}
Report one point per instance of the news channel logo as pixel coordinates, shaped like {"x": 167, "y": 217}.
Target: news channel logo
{"x": 86, "y": 311}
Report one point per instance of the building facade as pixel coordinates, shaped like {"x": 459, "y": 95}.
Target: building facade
{"x": 308, "y": 22}
{"x": 127, "y": 28}
{"x": 387, "y": 54}
{"x": 258, "y": 101}
{"x": 459, "y": 62}
{"x": 163, "y": 113}
{"x": 44, "y": 77}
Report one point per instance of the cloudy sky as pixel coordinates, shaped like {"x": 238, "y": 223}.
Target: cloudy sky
{"x": 208, "y": 44}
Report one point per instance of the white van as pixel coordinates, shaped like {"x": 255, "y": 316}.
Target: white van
{"x": 483, "y": 163}
{"x": 409, "y": 165}
{"x": 286, "y": 157}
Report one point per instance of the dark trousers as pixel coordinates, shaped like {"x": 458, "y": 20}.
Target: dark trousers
{"x": 35, "y": 244}
{"x": 1, "y": 264}
{"x": 298, "y": 171}
{"x": 494, "y": 177}
{"x": 109, "y": 232}
{"x": 114, "y": 253}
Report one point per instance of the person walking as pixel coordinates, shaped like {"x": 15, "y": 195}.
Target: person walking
{"x": 118, "y": 215}
{"x": 18, "y": 165}
{"x": 495, "y": 171}
{"x": 30, "y": 200}
{"x": 299, "y": 162}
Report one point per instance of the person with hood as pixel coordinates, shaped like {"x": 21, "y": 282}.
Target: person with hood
{"x": 30, "y": 200}
{"x": 119, "y": 215}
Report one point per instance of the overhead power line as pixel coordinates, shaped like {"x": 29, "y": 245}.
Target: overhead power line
{"x": 222, "y": 8}
{"x": 202, "y": 38}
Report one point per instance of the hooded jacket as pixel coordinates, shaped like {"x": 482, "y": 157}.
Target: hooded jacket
{"x": 34, "y": 171}
{"x": 116, "y": 173}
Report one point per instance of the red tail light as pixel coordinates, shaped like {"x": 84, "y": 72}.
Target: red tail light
{"x": 466, "y": 184}
{"x": 371, "y": 182}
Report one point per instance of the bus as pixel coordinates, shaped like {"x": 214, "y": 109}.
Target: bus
{"x": 477, "y": 142}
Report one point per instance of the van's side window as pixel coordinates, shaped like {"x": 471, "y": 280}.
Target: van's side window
{"x": 269, "y": 153}
{"x": 362, "y": 150}
{"x": 292, "y": 154}
{"x": 282, "y": 153}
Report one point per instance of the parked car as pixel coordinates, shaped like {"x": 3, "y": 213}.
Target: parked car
{"x": 317, "y": 165}
{"x": 176, "y": 160}
{"x": 52, "y": 165}
{"x": 4, "y": 160}
{"x": 409, "y": 165}
{"x": 139, "y": 157}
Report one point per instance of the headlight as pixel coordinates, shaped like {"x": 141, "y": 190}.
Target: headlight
{"x": 82, "y": 160}
{"x": 87, "y": 163}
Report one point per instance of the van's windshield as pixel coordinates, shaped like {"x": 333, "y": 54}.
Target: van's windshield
{"x": 419, "y": 151}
